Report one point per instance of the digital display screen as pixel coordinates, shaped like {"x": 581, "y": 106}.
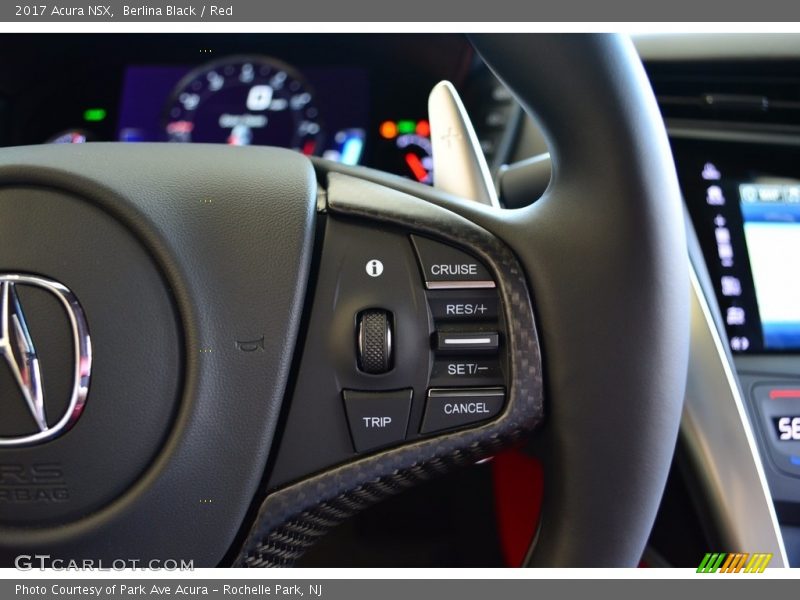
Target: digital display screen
{"x": 787, "y": 429}
{"x": 771, "y": 213}
{"x": 325, "y": 111}
{"x": 744, "y": 201}
{"x": 242, "y": 100}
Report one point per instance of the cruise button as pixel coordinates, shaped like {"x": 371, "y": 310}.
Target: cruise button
{"x": 445, "y": 267}
{"x": 377, "y": 419}
{"x": 448, "y": 408}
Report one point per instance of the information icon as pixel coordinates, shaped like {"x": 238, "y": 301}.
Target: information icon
{"x": 374, "y": 267}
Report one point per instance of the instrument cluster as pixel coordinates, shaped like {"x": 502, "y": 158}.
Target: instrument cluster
{"x": 355, "y": 99}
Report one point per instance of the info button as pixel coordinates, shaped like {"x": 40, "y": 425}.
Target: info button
{"x": 445, "y": 267}
{"x": 449, "y": 408}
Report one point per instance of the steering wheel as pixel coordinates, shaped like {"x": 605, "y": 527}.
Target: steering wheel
{"x": 224, "y": 352}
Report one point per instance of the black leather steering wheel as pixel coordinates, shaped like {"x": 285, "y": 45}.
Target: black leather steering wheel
{"x": 223, "y": 289}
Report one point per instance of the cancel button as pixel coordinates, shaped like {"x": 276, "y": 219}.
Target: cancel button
{"x": 449, "y": 408}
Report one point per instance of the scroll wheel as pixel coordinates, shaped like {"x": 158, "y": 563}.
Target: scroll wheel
{"x": 374, "y": 341}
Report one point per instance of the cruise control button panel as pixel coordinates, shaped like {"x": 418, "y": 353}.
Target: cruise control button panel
{"x": 467, "y": 381}
{"x": 377, "y": 419}
{"x": 449, "y": 408}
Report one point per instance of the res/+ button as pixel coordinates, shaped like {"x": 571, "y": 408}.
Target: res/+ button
{"x": 469, "y": 305}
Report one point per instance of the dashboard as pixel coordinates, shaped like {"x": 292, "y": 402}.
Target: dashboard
{"x": 357, "y": 100}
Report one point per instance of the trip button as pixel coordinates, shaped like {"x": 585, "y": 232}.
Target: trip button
{"x": 377, "y": 419}
{"x": 445, "y": 267}
{"x": 472, "y": 305}
{"x": 448, "y": 408}
{"x": 466, "y": 372}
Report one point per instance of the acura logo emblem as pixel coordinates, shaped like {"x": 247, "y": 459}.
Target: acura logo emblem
{"x": 18, "y": 352}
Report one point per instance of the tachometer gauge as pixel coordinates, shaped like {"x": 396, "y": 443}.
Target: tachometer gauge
{"x": 411, "y": 151}
{"x": 242, "y": 101}
{"x": 417, "y": 154}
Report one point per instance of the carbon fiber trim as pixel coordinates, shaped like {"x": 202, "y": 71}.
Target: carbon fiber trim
{"x": 292, "y": 518}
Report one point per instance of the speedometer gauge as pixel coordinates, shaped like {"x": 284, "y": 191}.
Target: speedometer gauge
{"x": 242, "y": 101}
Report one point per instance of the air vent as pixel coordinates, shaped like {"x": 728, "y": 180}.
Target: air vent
{"x": 742, "y": 92}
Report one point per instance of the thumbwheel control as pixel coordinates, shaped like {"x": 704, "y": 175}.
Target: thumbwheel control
{"x": 374, "y": 341}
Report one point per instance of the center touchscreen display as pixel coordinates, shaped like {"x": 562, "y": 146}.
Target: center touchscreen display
{"x": 744, "y": 200}
{"x": 771, "y": 213}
